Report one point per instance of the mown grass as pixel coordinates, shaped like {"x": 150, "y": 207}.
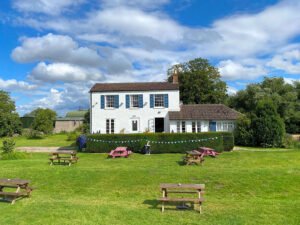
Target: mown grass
{"x": 54, "y": 140}
{"x": 241, "y": 188}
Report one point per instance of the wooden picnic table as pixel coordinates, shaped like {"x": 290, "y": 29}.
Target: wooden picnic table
{"x": 21, "y": 186}
{"x": 196, "y": 189}
{"x": 193, "y": 157}
{"x": 65, "y": 157}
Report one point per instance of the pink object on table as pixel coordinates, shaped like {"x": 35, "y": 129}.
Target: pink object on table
{"x": 120, "y": 152}
{"x": 208, "y": 151}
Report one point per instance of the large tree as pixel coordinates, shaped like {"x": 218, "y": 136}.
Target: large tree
{"x": 199, "y": 82}
{"x": 10, "y": 122}
{"x": 285, "y": 97}
{"x": 43, "y": 120}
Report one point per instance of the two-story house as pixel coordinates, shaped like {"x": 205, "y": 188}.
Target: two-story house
{"x": 152, "y": 107}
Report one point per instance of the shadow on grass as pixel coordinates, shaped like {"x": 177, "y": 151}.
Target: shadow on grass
{"x": 153, "y": 203}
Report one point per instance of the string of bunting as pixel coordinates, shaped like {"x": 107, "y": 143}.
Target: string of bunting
{"x": 153, "y": 142}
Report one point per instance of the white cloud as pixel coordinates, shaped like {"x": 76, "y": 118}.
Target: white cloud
{"x": 290, "y": 80}
{"x": 57, "y": 48}
{"x": 63, "y": 72}
{"x": 231, "y": 90}
{"x": 16, "y": 86}
{"x": 51, "y": 7}
{"x": 231, "y": 70}
{"x": 148, "y": 4}
{"x": 287, "y": 61}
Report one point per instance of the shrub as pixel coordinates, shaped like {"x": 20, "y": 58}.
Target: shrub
{"x": 72, "y": 136}
{"x": 8, "y": 145}
{"x": 161, "y": 142}
{"x": 243, "y": 132}
{"x": 34, "y": 134}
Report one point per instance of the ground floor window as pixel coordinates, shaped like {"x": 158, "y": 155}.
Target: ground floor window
{"x": 183, "y": 127}
{"x": 110, "y": 126}
{"x": 225, "y": 126}
{"x": 134, "y": 125}
{"x": 196, "y": 126}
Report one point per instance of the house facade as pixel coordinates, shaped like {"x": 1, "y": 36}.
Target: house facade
{"x": 152, "y": 107}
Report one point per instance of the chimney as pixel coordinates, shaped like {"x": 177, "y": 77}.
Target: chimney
{"x": 175, "y": 76}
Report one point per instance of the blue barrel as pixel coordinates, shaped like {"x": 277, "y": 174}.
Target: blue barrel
{"x": 81, "y": 140}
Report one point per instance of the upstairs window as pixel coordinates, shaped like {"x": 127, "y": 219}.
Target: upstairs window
{"x": 159, "y": 100}
{"x": 134, "y": 101}
{"x": 110, "y": 101}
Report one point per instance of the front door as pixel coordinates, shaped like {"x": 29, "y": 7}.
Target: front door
{"x": 159, "y": 125}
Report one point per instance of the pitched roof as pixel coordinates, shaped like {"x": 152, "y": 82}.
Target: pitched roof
{"x": 79, "y": 113}
{"x": 147, "y": 86}
{"x": 204, "y": 112}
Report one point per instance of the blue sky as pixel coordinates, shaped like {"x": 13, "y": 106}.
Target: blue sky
{"x": 53, "y": 51}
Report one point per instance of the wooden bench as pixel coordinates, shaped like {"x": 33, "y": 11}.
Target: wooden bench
{"x": 182, "y": 189}
{"x": 68, "y": 157}
{"x": 193, "y": 157}
{"x": 21, "y": 186}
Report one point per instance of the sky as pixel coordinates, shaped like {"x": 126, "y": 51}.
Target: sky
{"x": 53, "y": 51}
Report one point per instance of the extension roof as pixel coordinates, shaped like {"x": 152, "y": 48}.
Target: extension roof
{"x": 204, "y": 112}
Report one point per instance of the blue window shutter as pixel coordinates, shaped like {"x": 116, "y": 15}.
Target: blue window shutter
{"x": 141, "y": 101}
{"x": 127, "y": 102}
{"x": 102, "y": 102}
{"x": 116, "y": 101}
{"x": 151, "y": 101}
{"x": 166, "y": 101}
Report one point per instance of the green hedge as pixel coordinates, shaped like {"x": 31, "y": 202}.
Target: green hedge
{"x": 220, "y": 141}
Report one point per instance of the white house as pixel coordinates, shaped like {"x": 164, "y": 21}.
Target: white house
{"x": 152, "y": 107}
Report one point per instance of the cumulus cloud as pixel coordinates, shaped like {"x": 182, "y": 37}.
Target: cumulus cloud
{"x": 16, "y": 86}
{"x": 291, "y": 80}
{"x": 147, "y": 4}
{"x": 63, "y": 72}
{"x": 51, "y": 7}
{"x": 287, "y": 61}
{"x": 57, "y": 48}
{"x": 231, "y": 70}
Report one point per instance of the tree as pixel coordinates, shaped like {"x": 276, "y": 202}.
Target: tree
{"x": 43, "y": 120}
{"x": 267, "y": 126}
{"x": 285, "y": 98}
{"x": 199, "y": 82}
{"x": 10, "y": 122}
{"x": 243, "y": 134}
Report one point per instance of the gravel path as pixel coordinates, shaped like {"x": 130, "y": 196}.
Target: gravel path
{"x": 43, "y": 149}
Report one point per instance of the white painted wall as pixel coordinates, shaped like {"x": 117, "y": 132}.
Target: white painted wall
{"x": 123, "y": 116}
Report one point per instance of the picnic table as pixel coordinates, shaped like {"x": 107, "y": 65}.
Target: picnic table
{"x": 63, "y": 157}
{"x": 22, "y": 189}
{"x": 183, "y": 189}
{"x": 208, "y": 151}
{"x": 120, "y": 152}
{"x": 193, "y": 157}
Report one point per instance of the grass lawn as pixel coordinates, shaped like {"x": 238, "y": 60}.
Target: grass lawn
{"x": 55, "y": 140}
{"x": 241, "y": 188}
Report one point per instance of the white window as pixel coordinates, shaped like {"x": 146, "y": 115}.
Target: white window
{"x": 110, "y": 126}
{"x": 196, "y": 126}
{"x": 110, "y": 101}
{"x": 182, "y": 126}
{"x": 159, "y": 100}
{"x": 134, "y": 101}
{"x": 225, "y": 126}
{"x": 178, "y": 126}
{"x": 134, "y": 125}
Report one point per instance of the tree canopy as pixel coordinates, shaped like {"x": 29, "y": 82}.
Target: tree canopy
{"x": 43, "y": 120}
{"x": 10, "y": 122}
{"x": 284, "y": 96}
{"x": 199, "y": 82}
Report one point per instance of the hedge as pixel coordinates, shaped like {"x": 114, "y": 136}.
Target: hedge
{"x": 220, "y": 141}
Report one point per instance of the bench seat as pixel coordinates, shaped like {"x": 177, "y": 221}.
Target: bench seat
{"x": 2, "y": 193}
{"x": 195, "y": 200}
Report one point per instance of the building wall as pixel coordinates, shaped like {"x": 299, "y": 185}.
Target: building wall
{"x": 67, "y": 126}
{"x": 124, "y": 116}
{"x": 204, "y": 125}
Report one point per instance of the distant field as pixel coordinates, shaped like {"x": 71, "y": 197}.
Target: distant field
{"x": 55, "y": 140}
{"x": 242, "y": 187}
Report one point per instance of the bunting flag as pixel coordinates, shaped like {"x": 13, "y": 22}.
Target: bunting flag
{"x": 152, "y": 142}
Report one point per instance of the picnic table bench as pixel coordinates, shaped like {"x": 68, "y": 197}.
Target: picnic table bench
{"x": 193, "y": 157}
{"x": 120, "y": 152}
{"x": 167, "y": 189}
{"x": 22, "y": 189}
{"x": 208, "y": 151}
{"x": 63, "y": 157}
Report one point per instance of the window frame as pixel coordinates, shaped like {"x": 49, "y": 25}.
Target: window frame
{"x": 110, "y": 100}
{"x": 110, "y": 126}
{"x": 161, "y": 101}
{"x": 131, "y": 100}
